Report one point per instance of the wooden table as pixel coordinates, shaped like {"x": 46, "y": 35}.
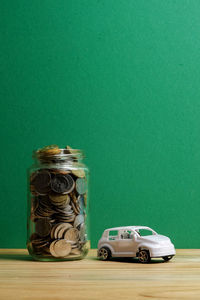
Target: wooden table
{"x": 23, "y": 278}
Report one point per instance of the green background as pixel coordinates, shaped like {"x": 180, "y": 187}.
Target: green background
{"x": 119, "y": 79}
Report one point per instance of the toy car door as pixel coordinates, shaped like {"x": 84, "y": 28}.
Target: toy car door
{"x": 126, "y": 243}
{"x": 113, "y": 237}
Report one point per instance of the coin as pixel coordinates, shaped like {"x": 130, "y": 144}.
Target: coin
{"x": 66, "y": 210}
{"x": 42, "y": 227}
{"x": 39, "y": 245}
{"x": 62, "y": 184}
{"x": 78, "y": 173}
{"x": 81, "y": 203}
{"x": 62, "y": 248}
{"x": 52, "y": 230}
{"x": 65, "y": 219}
{"x": 73, "y": 154}
{"x": 59, "y": 199}
{"x": 60, "y": 171}
{"x": 81, "y": 186}
{"x": 70, "y": 182}
{"x": 75, "y": 209}
{"x": 41, "y": 181}
{"x": 65, "y": 214}
{"x": 34, "y": 236}
{"x": 71, "y": 235}
{"x": 75, "y": 251}
{"x": 73, "y": 196}
{"x": 82, "y": 232}
{"x": 32, "y": 190}
{"x": 40, "y": 250}
{"x": 64, "y": 228}
{"x": 57, "y": 229}
{"x": 70, "y": 150}
{"x": 44, "y": 208}
{"x": 34, "y": 204}
{"x": 51, "y": 248}
{"x": 49, "y": 150}
{"x": 78, "y": 220}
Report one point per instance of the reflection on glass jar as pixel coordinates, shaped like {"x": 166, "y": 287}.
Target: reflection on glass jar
{"x": 58, "y": 205}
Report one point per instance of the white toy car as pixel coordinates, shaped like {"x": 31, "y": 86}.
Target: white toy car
{"x": 134, "y": 241}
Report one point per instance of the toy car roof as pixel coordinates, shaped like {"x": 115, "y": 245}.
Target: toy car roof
{"x": 127, "y": 228}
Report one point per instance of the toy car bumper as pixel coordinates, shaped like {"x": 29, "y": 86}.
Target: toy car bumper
{"x": 167, "y": 251}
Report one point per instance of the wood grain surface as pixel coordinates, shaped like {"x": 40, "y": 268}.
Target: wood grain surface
{"x": 23, "y": 278}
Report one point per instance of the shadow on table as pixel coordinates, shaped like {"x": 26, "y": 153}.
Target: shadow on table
{"x": 11, "y": 256}
{"x": 130, "y": 260}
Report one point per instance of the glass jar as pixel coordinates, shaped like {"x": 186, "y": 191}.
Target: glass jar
{"x": 57, "y": 205}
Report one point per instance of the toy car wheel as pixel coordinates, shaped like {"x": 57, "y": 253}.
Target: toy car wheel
{"x": 167, "y": 258}
{"x": 144, "y": 256}
{"x": 104, "y": 253}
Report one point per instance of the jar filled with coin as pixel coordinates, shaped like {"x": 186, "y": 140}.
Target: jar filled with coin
{"x": 58, "y": 205}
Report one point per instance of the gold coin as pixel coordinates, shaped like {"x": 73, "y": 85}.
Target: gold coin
{"x": 71, "y": 235}
{"x": 51, "y": 248}
{"x": 70, "y": 150}
{"x": 54, "y": 228}
{"x": 34, "y": 204}
{"x": 62, "y": 231}
{"x": 49, "y": 150}
{"x": 57, "y": 229}
{"x": 79, "y": 173}
{"x": 73, "y": 197}
{"x": 62, "y": 248}
{"x": 67, "y": 220}
{"x": 75, "y": 209}
{"x": 55, "y": 198}
{"x": 60, "y": 171}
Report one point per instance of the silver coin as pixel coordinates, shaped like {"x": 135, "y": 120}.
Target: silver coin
{"x": 78, "y": 220}
{"x": 81, "y": 186}
{"x": 82, "y": 232}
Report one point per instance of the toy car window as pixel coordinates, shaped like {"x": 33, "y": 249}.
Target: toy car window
{"x": 126, "y": 234}
{"x": 113, "y": 235}
{"x": 144, "y": 232}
